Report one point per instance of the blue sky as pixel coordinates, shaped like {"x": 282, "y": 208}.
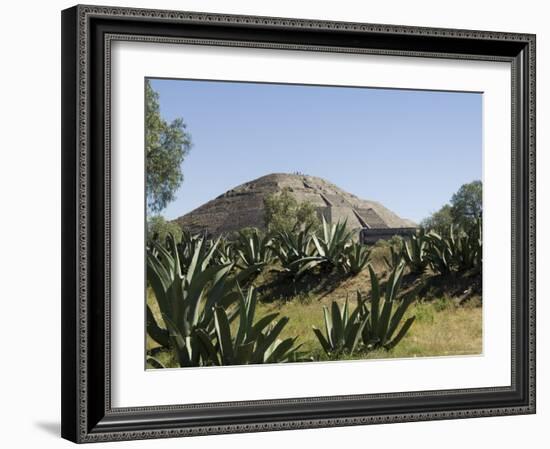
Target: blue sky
{"x": 410, "y": 150}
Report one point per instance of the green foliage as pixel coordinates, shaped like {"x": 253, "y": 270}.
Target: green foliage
{"x": 357, "y": 256}
{"x": 383, "y": 317}
{"x": 253, "y": 250}
{"x": 342, "y": 330}
{"x": 332, "y": 245}
{"x": 191, "y": 246}
{"x": 186, "y": 294}
{"x": 283, "y": 213}
{"x": 414, "y": 252}
{"x": 467, "y": 203}
{"x": 460, "y": 251}
{"x": 295, "y": 251}
{"x": 225, "y": 252}
{"x": 166, "y": 145}
{"x": 153, "y": 362}
{"x": 440, "y": 253}
{"x": 159, "y": 229}
{"x": 395, "y": 257}
{"x": 251, "y": 342}
{"x": 465, "y": 208}
{"x": 301, "y": 251}
{"x": 439, "y": 221}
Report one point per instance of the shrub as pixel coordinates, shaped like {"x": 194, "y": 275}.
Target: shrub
{"x": 282, "y": 212}
{"x": 158, "y": 228}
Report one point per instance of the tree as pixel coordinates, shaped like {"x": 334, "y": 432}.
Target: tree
{"x": 282, "y": 212}
{"x": 158, "y": 229}
{"x": 464, "y": 209}
{"x": 467, "y": 203}
{"x": 166, "y": 145}
{"x": 439, "y": 221}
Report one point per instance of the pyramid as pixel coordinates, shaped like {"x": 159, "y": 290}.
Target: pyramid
{"x": 243, "y": 206}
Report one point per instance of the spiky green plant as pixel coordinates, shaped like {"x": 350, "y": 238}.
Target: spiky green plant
{"x": 383, "y": 327}
{"x": 295, "y": 251}
{"x": 253, "y": 250}
{"x": 414, "y": 252}
{"x": 188, "y": 244}
{"x": 461, "y": 250}
{"x": 440, "y": 253}
{"x": 466, "y": 246}
{"x": 332, "y": 245}
{"x": 225, "y": 252}
{"x": 395, "y": 257}
{"x": 153, "y": 362}
{"x": 356, "y": 258}
{"x": 186, "y": 298}
{"x": 251, "y": 342}
{"x": 342, "y": 329}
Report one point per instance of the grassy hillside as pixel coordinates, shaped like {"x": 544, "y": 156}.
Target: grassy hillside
{"x": 448, "y": 310}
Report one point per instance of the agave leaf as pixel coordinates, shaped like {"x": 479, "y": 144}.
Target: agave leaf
{"x": 280, "y": 350}
{"x": 261, "y": 324}
{"x": 208, "y": 350}
{"x": 243, "y": 353}
{"x": 337, "y": 325}
{"x": 155, "y": 363}
{"x": 375, "y": 298}
{"x": 328, "y": 327}
{"x": 157, "y": 333}
{"x": 271, "y": 336}
{"x": 404, "y": 329}
{"x": 324, "y": 343}
{"x": 399, "y": 313}
{"x": 180, "y": 342}
{"x": 223, "y": 334}
{"x": 383, "y": 322}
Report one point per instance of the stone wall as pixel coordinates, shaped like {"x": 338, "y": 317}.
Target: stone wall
{"x": 370, "y": 236}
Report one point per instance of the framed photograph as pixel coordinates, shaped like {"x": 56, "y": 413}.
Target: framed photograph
{"x": 274, "y": 223}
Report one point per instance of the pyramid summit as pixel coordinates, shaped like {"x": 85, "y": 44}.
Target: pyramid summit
{"x": 243, "y": 206}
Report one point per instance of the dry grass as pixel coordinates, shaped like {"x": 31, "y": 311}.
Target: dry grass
{"x": 441, "y": 328}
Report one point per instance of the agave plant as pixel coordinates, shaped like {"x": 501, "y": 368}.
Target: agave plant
{"x": 153, "y": 362}
{"x": 254, "y": 251}
{"x": 184, "y": 250}
{"x": 466, "y": 246}
{"x": 383, "y": 327}
{"x": 186, "y": 298}
{"x": 357, "y": 256}
{"x": 251, "y": 342}
{"x": 342, "y": 329}
{"x": 225, "y": 252}
{"x": 440, "y": 253}
{"x": 332, "y": 245}
{"x": 394, "y": 258}
{"x": 414, "y": 252}
{"x": 459, "y": 251}
{"x": 295, "y": 251}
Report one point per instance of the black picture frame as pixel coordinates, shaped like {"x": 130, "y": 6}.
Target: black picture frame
{"x": 87, "y": 415}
